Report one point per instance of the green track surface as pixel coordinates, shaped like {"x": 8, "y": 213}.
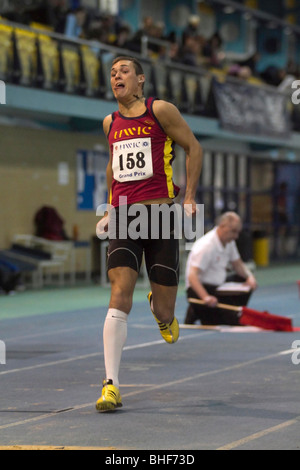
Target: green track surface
{"x": 55, "y": 299}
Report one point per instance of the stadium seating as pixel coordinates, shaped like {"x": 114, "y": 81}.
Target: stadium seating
{"x": 48, "y": 62}
{"x": 90, "y": 64}
{"x": 25, "y": 66}
{"x": 6, "y": 51}
{"x": 37, "y": 57}
{"x": 69, "y": 68}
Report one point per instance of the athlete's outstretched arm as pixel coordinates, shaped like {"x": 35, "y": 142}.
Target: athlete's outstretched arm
{"x": 102, "y": 225}
{"x": 176, "y": 127}
{"x": 109, "y": 173}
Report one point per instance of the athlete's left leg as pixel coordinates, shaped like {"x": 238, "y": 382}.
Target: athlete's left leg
{"x": 162, "y": 301}
{"x": 162, "y": 260}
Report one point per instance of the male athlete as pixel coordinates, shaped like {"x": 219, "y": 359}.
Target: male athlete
{"x": 142, "y": 137}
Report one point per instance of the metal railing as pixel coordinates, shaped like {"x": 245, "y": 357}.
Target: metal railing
{"x": 79, "y": 66}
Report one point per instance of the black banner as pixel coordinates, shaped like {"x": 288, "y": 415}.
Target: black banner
{"x": 248, "y": 109}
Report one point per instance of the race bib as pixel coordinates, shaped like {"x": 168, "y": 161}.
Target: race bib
{"x": 132, "y": 160}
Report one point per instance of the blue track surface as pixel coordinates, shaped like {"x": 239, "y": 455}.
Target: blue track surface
{"x": 211, "y": 390}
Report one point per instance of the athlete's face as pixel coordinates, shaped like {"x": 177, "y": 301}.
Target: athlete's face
{"x": 124, "y": 80}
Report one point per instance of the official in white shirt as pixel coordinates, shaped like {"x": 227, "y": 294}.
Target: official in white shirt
{"x": 206, "y": 270}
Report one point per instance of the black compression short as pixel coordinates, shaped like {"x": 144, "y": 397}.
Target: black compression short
{"x": 161, "y": 251}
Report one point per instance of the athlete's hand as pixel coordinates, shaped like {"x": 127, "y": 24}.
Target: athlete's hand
{"x": 190, "y": 207}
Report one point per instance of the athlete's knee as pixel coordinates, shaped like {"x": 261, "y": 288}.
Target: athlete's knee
{"x": 121, "y": 297}
{"x": 120, "y": 300}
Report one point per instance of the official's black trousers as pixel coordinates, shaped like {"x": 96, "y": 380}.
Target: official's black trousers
{"x": 215, "y": 316}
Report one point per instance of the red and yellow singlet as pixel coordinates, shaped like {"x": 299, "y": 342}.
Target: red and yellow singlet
{"x": 142, "y": 157}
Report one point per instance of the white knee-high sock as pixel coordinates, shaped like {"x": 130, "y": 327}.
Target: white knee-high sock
{"x": 114, "y": 338}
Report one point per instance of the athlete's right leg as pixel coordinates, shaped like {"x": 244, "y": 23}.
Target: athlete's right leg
{"x": 122, "y": 282}
{"x": 123, "y": 265}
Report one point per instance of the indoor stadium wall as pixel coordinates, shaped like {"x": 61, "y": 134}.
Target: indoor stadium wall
{"x": 29, "y": 179}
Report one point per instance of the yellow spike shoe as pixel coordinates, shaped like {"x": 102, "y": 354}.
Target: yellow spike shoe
{"x": 110, "y": 399}
{"x": 169, "y": 331}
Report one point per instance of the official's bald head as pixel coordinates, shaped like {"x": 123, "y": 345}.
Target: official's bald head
{"x": 230, "y": 218}
{"x": 229, "y": 227}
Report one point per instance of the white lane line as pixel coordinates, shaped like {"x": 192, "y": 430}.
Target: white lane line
{"x": 150, "y": 388}
{"x": 89, "y": 356}
{"x": 259, "y": 435}
{"x": 289, "y": 351}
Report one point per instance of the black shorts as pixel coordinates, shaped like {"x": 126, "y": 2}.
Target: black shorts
{"x": 161, "y": 249}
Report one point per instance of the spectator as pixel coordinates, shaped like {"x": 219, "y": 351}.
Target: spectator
{"x": 207, "y": 270}
{"x": 58, "y": 14}
{"x": 123, "y": 38}
{"x": 76, "y": 23}
{"x": 242, "y": 72}
{"x": 272, "y": 75}
{"x": 18, "y": 15}
{"x": 145, "y": 30}
{"x": 212, "y": 51}
{"x": 288, "y": 76}
{"x": 190, "y": 51}
{"x": 110, "y": 28}
{"x": 95, "y": 30}
{"x": 170, "y": 53}
{"x": 174, "y": 52}
{"x": 192, "y": 29}
{"x": 103, "y": 29}
{"x": 251, "y": 63}
{"x": 49, "y": 12}
{"x": 150, "y": 30}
